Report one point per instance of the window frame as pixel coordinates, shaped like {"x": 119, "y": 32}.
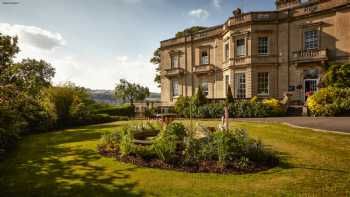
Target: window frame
{"x": 240, "y": 85}
{"x": 206, "y": 87}
{"x": 201, "y": 62}
{"x": 227, "y": 51}
{"x": 265, "y": 47}
{"x": 265, "y": 83}
{"x": 242, "y": 50}
{"x": 175, "y": 64}
{"x": 311, "y": 42}
{"x": 173, "y": 88}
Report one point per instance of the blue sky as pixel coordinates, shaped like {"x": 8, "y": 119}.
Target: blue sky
{"x": 94, "y": 43}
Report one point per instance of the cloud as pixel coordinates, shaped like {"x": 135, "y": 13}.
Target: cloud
{"x": 199, "y": 13}
{"x": 217, "y": 3}
{"x": 31, "y": 36}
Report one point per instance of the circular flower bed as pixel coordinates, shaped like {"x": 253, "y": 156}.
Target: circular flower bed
{"x": 179, "y": 148}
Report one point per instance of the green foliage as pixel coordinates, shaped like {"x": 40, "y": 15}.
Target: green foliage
{"x": 182, "y": 106}
{"x": 338, "y": 76}
{"x": 190, "y": 30}
{"x": 68, "y": 103}
{"x": 30, "y": 75}
{"x": 200, "y": 99}
{"x": 156, "y": 61}
{"x": 331, "y": 101}
{"x": 126, "y": 145}
{"x": 191, "y": 152}
{"x": 229, "y": 96}
{"x": 176, "y": 129}
{"x": 109, "y": 142}
{"x": 130, "y": 91}
{"x": 236, "y": 148}
{"x": 118, "y": 110}
{"x": 165, "y": 146}
{"x": 8, "y": 50}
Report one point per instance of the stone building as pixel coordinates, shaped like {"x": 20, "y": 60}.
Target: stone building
{"x": 264, "y": 54}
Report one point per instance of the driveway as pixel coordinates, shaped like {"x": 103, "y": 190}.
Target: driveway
{"x": 339, "y": 124}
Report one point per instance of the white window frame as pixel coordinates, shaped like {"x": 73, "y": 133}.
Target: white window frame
{"x": 240, "y": 49}
{"x": 239, "y": 85}
{"x": 267, "y": 84}
{"x": 263, "y": 46}
{"x": 311, "y": 39}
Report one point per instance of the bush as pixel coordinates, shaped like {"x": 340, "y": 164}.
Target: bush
{"x": 331, "y": 101}
{"x": 338, "y": 76}
{"x": 176, "y": 129}
{"x": 109, "y": 142}
{"x": 165, "y": 146}
{"x": 274, "y": 107}
{"x": 182, "y": 106}
{"x": 126, "y": 145}
{"x": 120, "y": 110}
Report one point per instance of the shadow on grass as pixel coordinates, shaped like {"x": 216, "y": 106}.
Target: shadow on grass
{"x": 44, "y": 166}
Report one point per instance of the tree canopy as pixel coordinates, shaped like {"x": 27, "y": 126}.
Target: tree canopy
{"x": 190, "y": 30}
{"x": 131, "y": 92}
{"x": 156, "y": 61}
{"x": 338, "y": 76}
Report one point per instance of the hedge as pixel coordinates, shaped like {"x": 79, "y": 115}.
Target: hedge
{"x": 119, "y": 110}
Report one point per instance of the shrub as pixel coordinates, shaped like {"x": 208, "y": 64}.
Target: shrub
{"x": 119, "y": 110}
{"x": 331, "y": 101}
{"x": 229, "y": 95}
{"x": 126, "y": 145}
{"x": 109, "y": 142}
{"x": 182, "y": 106}
{"x": 165, "y": 147}
{"x": 191, "y": 152}
{"x": 338, "y": 76}
{"x": 274, "y": 107}
{"x": 176, "y": 129}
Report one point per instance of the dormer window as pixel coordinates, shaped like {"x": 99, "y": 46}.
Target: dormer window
{"x": 204, "y": 57}
{"x": 311, "y": 39}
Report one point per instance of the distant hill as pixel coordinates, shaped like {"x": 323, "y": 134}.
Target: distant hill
{"x": 107, "y": 96}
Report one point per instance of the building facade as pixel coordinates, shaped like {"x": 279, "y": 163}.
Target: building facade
{"x": 264, "y": 54}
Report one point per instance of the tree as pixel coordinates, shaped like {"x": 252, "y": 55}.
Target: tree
{"x": 30, "y": 75}
{"x": 190, "y": 30}
{"x": 130, "y": 91}
{"x": 200, "y": 98}
{"x": 156, "y": 61}
{"x": 338, "y": 76}
{"x": 8, "y": 50}
{"x": 229, "y": 96}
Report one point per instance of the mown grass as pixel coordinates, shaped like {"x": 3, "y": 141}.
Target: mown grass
{"x": 66, "y": 163}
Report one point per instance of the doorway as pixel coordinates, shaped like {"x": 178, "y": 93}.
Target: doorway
{"x": 310, "y": 87}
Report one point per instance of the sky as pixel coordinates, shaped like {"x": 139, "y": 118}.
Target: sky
{"x": 95, "y": 43}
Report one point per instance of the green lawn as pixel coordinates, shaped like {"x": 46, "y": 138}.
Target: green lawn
{"x": 66, "y": 163}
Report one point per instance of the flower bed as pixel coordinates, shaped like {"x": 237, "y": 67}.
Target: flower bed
{"x": 179, "y": 148}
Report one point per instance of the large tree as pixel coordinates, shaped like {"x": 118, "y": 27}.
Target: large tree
{"x": 338, "y": 76}
{"x": 131, "y": 92}
{"x": 29, "y": 75}
{"x": 8, "y": 50}
{"x": 156, "y": 61}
